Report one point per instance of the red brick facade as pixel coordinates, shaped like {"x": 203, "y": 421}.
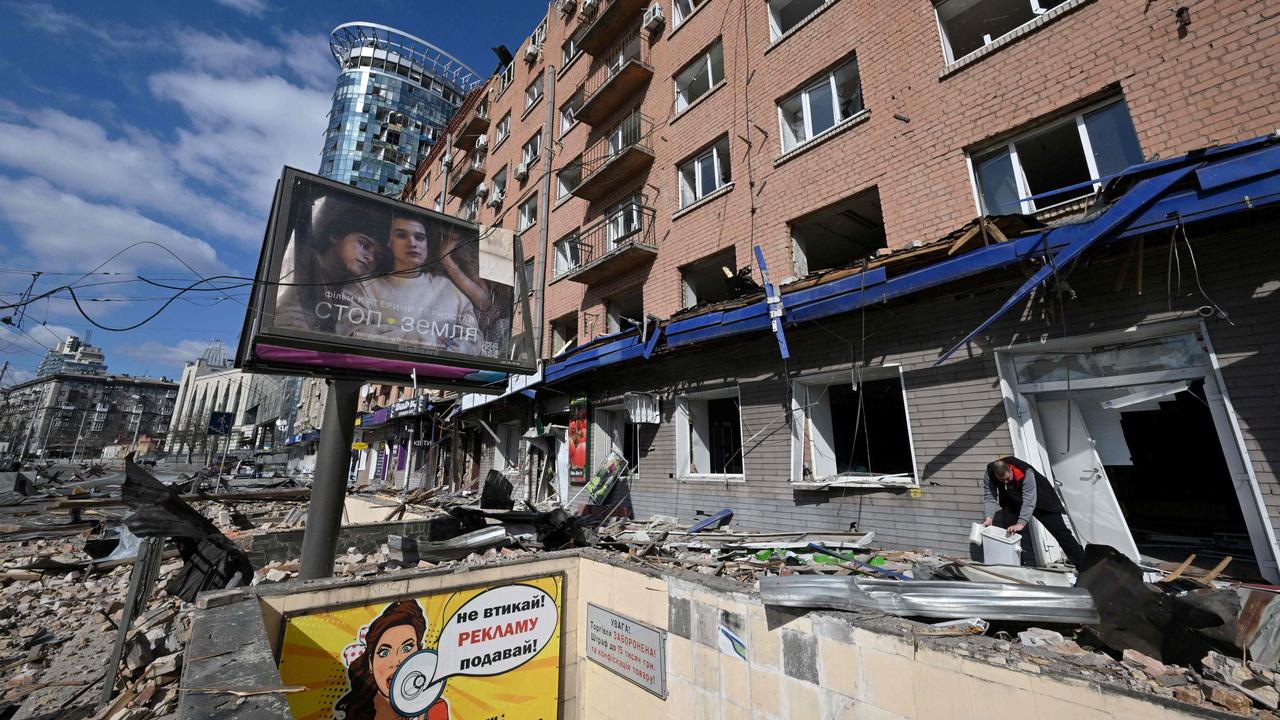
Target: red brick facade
{"x": 1207, "y": 81}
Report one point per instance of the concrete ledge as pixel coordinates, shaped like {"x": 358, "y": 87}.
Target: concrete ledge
{"x": 229, "y": 650}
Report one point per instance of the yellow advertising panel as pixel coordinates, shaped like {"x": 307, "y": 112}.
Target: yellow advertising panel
{"x": 490, "y": 651}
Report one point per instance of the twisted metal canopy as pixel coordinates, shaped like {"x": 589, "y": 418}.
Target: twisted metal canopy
{"x": 418, "y": 53}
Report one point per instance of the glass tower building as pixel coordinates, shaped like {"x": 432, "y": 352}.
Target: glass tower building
{"x": 394, "y": 93}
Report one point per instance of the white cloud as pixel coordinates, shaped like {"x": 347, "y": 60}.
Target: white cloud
{"x": 58, "y": 229}
{"x": 248, "y": 7}
{"x": 28, "y": 346}
{"x": 307, "y": 57}
{"x": 134, "y": 169}
{"x": 243, "y": 131}
{"x": 166, "y": 354}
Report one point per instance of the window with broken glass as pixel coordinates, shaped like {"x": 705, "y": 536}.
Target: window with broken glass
{"x": 1057, "y": 162}
{"x": 828, "y": 101}
{"x": 969, "y": 25}
{"x": 852, "y": 429}
{"x": 704, "y": 173}
{"x": 709, "y": 436}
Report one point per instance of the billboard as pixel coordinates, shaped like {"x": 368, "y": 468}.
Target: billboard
{"x": 354, "y": 284}
{"x": 482, "y": 652}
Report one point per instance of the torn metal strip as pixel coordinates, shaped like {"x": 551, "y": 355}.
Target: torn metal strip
{"x": 934, "y": 599}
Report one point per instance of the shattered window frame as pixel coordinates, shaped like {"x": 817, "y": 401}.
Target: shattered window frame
{"x": 803, "y": 431}
{"x": 685, "y": 449}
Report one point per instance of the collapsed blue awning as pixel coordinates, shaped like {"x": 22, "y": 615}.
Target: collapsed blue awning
{"x": 1081, "y": 237}
{"x": 1228, "y": 179}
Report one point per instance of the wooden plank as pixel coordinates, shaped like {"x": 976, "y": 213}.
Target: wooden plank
{"x": 1216, "y": 571}
{"x": 1177, "y": 572}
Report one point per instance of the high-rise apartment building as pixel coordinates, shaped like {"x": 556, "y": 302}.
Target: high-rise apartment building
{"x": 394, "y": 93}
{"x": 1079, "y": 195}
{"x": 73, "y": 356}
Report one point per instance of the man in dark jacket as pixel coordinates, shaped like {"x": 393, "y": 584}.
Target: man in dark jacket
{"x": 1022, "y": 493}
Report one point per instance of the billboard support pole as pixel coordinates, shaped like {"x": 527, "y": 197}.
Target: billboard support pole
{"x": 329, "y": 489}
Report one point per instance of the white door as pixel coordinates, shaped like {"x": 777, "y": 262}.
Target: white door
{"x": 1080, "y": 478}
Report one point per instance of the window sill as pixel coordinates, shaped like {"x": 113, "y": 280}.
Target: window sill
{"x": 722, "y": 190}
{"x": 675, "y": 27}
{"x": 532, "y": 107}
{"x": 799, "y": 26}
{"x": 1009, "y": 38}
{"x": 498, "y": 143}
{"x": 562, "y": 201}
{"x": 886, "y": 482}
{"x": 825, "y": 136}
{"x": 696, "y": 103}
{"x": 714, "y": 478}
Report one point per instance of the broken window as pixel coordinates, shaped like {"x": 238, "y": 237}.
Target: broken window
{"x": 507, "y": 450}
{"x": 616, "y": 433}
{"x": 839, "y": 234}
{"x": 527, "y": 213}
{"x": 704, "y": 173}
{"x": 533, "y": 93}
{"x": 568, "y": 253}
{"x": 1057, "y": 162}
{"x": 968, "y": 25}
{"x": 568, "y": 178}
{"x": 528, "y": 274}
{"x": 502, "y": 130}
{"x": 700, "y": 76}
{"x": 708, "y": 435}
{"x": 829, "y": 100}
{"x": 785, "y": 15}
{"x": 707, "y": 280}
{"x": 624, "y": 219}
{"x": 625, "y": 310}
{"x": 564, "y": 332}
{"x": 853, "y": 429}
{"x": 682, "y": 9}
{"x": 530, "y": 151}
{"x": 569, "y": 111}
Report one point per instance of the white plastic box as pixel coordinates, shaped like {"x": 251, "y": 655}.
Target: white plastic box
{"x": 1001, "y": 548}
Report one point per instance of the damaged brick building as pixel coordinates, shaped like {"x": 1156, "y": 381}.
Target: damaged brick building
{"x": 655, "y": 150}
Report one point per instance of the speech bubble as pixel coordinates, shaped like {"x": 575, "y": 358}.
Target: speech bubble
{"x": 495, "y": 632}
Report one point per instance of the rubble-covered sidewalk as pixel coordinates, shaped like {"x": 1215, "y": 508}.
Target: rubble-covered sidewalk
{"x": 69, "y": 554}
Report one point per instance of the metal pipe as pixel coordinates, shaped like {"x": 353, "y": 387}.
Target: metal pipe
{"x": 329, "y": 489}
{"x": 540, "y": 266}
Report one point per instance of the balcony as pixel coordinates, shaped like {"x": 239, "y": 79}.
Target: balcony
{"x": 616, "y": 77}
{"x": 605, "y": 22}
{"x": 620, "y": 242}
{"x": 473, "y": 127}
{"x": 464, "y": 178}
{"x": 625, "y": 151}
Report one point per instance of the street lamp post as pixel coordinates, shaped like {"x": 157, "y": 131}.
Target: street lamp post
{"x": 133, "y": 446}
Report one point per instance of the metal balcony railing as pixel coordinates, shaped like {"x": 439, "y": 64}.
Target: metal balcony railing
{"x": 616, "y": 76}
{"x": 464, "y": 178}
{"x": 617, "y": 243}
{"x": 622, "y": 152}
{"x": 605, "y": 20}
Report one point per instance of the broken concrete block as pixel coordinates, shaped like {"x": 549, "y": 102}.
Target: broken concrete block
{"x": 1146, "y": 663}
{"x": 1031, "y": 637}
{"x": 1189, "y": 694}
{"x": 165, "y": 666}
{"x": 138, "y": 655}
{"x": 1231, "y": 699}
{"x": 276, "y": 575}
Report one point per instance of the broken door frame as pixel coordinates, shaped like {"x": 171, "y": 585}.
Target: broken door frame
{"x": 1023, "y": 420}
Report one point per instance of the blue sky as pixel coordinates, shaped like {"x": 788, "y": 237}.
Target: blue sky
{"x": 168, "y": 122}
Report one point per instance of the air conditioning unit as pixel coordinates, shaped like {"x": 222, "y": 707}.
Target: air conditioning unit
{"x": 653, "y": 17}
{"x": 567, "y": 6}
{"x": 446, "y": 160}
{"x": 482, "y": 142}
{"x": 496, "y": 200}
{"x": 522, "y": 171}
{"x": 589, "y": 5}
{"x": 532, "y": 53}
{"x": 482, "y": 190}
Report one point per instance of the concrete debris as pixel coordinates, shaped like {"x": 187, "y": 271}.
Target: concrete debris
{"x": 65, "y": 560}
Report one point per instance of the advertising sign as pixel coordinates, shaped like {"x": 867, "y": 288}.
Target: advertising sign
{"x": 354, "y": 284}
{"x": 628, "y": 648}
{"x": 605, "y": 476}
{"x": 482, "y": 652}
{"x": 579, "y": 427}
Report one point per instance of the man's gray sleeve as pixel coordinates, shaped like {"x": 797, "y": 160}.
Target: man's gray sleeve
{"x": 1028, "y": 497}
{"x": 988, "y": 496}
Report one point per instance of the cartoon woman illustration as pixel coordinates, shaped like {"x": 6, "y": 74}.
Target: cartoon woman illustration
{"x": 372, "y": 661}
